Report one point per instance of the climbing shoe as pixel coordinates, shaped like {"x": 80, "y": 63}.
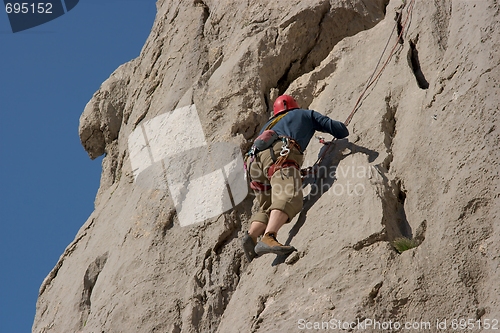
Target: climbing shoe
{"x": 269, "y": 244}
{"x": 248, "y": 247}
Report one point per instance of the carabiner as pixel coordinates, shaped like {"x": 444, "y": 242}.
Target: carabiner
{"x": 284, "y": 151}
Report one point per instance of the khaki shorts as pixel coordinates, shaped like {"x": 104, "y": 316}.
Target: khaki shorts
{"x": 286, "y": 184}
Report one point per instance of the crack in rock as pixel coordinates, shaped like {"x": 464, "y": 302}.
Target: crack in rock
{"x": 414, "y": 63}
{"x": 389, "y": 130}
{"x": 375, "y": 290}
{"x": 89, "y": 282}
{"x": 263, "y": 300}
{"x": 370, "y": 240}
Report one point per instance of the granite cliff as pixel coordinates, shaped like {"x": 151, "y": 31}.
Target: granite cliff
{"x": 422, "y": 162}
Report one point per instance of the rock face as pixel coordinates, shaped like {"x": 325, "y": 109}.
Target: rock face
{"x": 422, "y": 162}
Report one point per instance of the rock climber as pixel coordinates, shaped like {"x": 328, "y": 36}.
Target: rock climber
{"x": 273, "y": 168}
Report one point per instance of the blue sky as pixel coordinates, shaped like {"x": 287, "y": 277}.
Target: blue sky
{"x": 47, "y": 182}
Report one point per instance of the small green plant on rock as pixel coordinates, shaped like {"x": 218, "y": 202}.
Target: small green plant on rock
{"x": 403, "y": 244}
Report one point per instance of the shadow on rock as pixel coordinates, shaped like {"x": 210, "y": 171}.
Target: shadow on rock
{"x": 322, "y": 178}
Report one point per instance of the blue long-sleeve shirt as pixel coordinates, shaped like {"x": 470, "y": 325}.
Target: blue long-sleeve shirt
{"x": 300, "y": 125}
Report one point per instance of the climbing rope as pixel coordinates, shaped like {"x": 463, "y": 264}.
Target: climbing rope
{"x": 371, "y": 80}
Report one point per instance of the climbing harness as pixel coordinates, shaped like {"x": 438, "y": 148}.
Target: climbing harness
{"x": 259, "y": 187}
{"x": 284, "y": 149}
{"x": 283, "y": 161}
{"x": 266, "y": 140}
{"x": 279, "y": 163}
{"x": 279, "y": 167}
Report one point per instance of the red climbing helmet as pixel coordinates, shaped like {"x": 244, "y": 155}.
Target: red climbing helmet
{"x": 284, "y": 103}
